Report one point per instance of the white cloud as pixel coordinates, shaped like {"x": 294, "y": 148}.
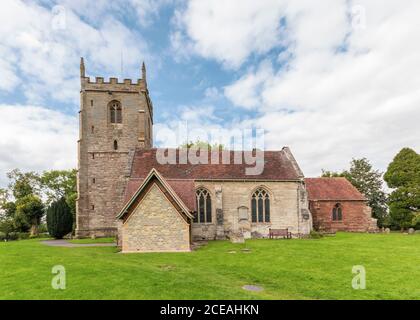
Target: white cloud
{"x": 228, "y": 31}
{"x": 341, "y": 90}
{"x": 47, "y": 45}
{"x": 246, "y": 92}
{"x": 147, "y": 10}
{"x": 36, "y": 138}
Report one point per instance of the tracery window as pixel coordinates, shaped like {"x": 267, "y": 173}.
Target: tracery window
{"x": 260, "y": 206}
{"x": 203, "y": 214}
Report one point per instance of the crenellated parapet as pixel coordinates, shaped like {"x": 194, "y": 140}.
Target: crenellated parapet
{"x": 112, "y": 84}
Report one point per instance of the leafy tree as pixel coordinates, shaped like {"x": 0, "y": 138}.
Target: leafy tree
{"x": 23, "y": 184}
{"x": 369, "y": 182}
{"x": 7, "y": 207}
{"x": 6, "y": 226}
{"x": 331, "y": 174}
{"x": 205, "y": 145}
{"x": 57, "y": 184}
{"x": 59, "y": 219}
{"x": 403, "y": 175}
{"x": 29, "y": 211}
{"x": 51, "y": 186}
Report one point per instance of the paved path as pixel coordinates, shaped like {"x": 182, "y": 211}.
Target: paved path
{"x": 65, "y": 243}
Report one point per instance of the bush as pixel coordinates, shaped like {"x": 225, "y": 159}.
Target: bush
{"x": 9, "y": 237}
{"x": 23, "y": 235}
{"x": 315, "y": 235}
{"x": 13, "y": 236}
{"x": 59, "y": 219}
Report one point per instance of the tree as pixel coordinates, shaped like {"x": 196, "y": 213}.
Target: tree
{"x": 6, "y": 226}
{"x": 198, "y": 144}
{"x": 59, "y": 219}
{"x": 331, "y": 174}
{"x": 403, "y": 175}
{"x": 369, "y": 182}
{"x": 23, "y": 184}
{"x": 57, "y": 184}
{"x": 29, "y": 211}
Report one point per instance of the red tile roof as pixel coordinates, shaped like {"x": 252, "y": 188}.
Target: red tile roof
{"x": 184, "y": 189}
{"x": 332, "y": 189}
{"x": 278, "y": 165}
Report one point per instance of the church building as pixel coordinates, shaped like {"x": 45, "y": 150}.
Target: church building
{"x": 125, "y": 191}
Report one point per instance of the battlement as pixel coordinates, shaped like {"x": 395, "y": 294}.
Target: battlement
{"x": 113, "y": 84}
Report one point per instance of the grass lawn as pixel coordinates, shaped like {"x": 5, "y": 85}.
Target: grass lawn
{"x": 287, "y": 269}
{"x": 89, "y": 241}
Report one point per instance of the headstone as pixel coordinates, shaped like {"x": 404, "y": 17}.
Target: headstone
{"x": 387, "y": 230}
{"x": 411, "y": 231}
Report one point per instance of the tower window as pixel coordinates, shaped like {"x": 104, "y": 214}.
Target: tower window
{"x": 92, "y": 207}
{"x": 91, "y": 103}
{"x": 94, "y": 180}
{"x": 93, "y": 156}
{"x": 115, "y": 145}
{"x": 115, "y": 111}
{"x": 92, "y": 129}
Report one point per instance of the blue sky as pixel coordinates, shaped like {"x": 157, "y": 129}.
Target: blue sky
{"x": 332, "y": 80}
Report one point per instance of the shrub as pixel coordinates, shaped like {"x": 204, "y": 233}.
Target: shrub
{"x": 23, "y": 235}
{"x": 13, "y": 236}
{"x": 8, "y": 236}
{"x": 315, "y": 235}
{"x": 59, "y": 219}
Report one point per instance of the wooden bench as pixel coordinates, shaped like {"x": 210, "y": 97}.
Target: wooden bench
{"x": 280, "y": 233}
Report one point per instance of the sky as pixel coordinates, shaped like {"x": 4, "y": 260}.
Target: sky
{"x": 332, "y": 79}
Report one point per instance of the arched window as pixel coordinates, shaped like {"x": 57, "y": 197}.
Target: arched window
{"x": 115, "y": 145}
{"x": 337, "y": 213}
{"x": 203, "y": 214}
{"x": 260, "y": 206}
{"x": 115, "y": 110}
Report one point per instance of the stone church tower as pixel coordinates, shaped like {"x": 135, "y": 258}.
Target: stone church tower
{"x": 115, "y": 119}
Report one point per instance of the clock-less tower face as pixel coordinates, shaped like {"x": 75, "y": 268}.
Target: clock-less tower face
{"x": 115, "y": 119}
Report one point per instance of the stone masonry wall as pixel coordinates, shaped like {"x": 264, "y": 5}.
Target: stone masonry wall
{"x": 102, "y": 170}
{"x": 285, "y": 209}
{"x": 155, "y": 225}
{"x": 356, "y": 216}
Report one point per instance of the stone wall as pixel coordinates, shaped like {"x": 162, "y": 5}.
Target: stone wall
{"x": 356, "y": 216}
{"x": 155, "y": 226}
{"x": 285, "y": 201}
{"x": 102, "y": 170}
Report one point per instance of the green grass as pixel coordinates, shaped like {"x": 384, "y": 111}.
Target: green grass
{"x": 287, "y": 269}
{"x": 89, "y": 241}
